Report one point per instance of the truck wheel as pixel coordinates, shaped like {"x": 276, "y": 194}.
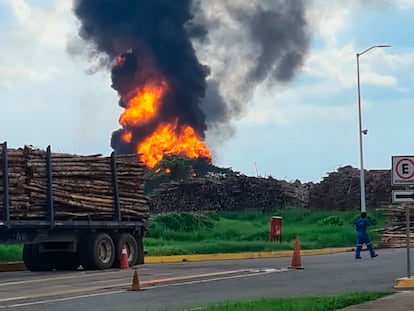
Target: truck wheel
{"x": 97, "y": 251}
{"x": 67, "y": 261}
{"x": 27, "y": 256}
{"x": 35, "y": 260}
{"x": 140, "y": 243}
{"x": 129, "y": 241}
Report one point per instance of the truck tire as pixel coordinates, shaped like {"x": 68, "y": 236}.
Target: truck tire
{"x": 27, "y": 256}
{"x": 129, "y": 241}
{"x": 67, "y": 261}
{"x": 34, "y": 260}
{"x": 141, "y": 253}
{"x": 97, "y": 251}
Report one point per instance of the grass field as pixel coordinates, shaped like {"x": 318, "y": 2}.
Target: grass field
{"x": 248, "y": 231}
{"x": 245, "y": 231}
{"x": 305, "y": 303}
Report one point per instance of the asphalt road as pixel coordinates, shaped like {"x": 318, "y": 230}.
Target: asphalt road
{"x": 192, "y": 284}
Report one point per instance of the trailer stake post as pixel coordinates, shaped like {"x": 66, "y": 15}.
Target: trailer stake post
{"x": 5, "y": 168}
{"x": 50, "y": 208}
{"x": 115, "y": 188}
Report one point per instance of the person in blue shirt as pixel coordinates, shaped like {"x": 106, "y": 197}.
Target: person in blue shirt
{"x": 361, "y": 226}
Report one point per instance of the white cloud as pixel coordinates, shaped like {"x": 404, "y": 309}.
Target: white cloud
{"x": 328, "y": 18}
{"x": 320, "y": 115}
{"x": 405, "y": 4}
{"x": 264, "y": 116}
{"x": 46, "y": 26}
{"x": 22, "y": 72}
{"x": 398, "y": 61}
{"x": 334, "y": 65}
{"x": 380, "y": 80}
{"x": 296, "y": 104}
{"x": 34, "y": 46}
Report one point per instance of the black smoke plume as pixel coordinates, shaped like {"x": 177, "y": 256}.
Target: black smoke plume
{"x": 250, "y": 43}
{"x": 244, "y": 43}
{"x": 153, "y": 39}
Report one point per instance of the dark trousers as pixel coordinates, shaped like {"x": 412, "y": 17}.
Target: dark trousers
{"x": 361, "y": 240}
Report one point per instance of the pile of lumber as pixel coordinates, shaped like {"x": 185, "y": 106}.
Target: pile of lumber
{"x": 226, "y": 192}
{"x": 394, "y": 233}
{"x": 215, "y": 194}
{"x": 340, "y": 190}
{"x": 295, "y": 193}
{"x": 82, "y": 186}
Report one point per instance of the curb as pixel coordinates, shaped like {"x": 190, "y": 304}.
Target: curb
{"x": 19, "y": 266}
{"x": 404, "y": 283}
{"x": 12, "y": 266}
{"x": 231, "y": 256}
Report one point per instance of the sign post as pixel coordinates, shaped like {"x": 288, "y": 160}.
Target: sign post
{"x": 402, "y": 174}
{"x": 407, "y": 230}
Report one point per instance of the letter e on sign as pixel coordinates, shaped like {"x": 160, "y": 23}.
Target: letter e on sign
{"x": 402, "y": 170}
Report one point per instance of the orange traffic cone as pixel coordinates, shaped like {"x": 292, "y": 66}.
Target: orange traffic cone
{"x": 296, "y": 262}
{"x": 135, "y": 281}
{"x": 124, "y": 258}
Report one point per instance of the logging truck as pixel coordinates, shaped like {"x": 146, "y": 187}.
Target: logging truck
{"x": 69, "y": 211}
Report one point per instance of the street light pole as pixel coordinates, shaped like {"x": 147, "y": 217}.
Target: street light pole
{"x": 361, "y": 131}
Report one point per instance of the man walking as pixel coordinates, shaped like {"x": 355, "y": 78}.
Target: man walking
{"x": 361, "y": 227}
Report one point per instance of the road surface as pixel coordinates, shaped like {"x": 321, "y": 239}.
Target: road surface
{"x": 192, "y": 284}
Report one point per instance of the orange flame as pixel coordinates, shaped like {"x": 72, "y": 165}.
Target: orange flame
{"x": 168, "y": 139}
{"x": 142, "y": 107}
{"x": 127, "y": 136}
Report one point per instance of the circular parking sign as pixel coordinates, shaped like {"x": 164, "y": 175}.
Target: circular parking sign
{"x": 403, "y": 170}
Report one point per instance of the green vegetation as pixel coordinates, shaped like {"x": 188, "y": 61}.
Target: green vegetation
{"x": 246, "y": 231}
{"x": 9, "y": 253}
{"x": 305, "y": 303}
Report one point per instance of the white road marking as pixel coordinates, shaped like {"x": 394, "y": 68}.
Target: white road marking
{"x": 60, "y": 277}
{"x": 251, "y": 273}
{"x": 60, "y": 299}
{"x": 248, "y": 273}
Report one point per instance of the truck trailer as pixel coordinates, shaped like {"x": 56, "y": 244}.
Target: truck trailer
{"x": 69, "y": 211}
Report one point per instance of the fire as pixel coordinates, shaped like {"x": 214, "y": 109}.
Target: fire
{"x": 143, "y": 106}
{"x": 168, "y": 138}
{"x": 127, "y": 136}
{"x": 165, "y": 140}
{"x": 118, "y": 61}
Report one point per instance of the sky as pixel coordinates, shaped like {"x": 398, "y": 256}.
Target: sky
{"x": 301, "y": 130}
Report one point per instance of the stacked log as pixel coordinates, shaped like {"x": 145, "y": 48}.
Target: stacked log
{"x": 295, "y": 193}
{"x": 82, "y": 186}
{"x": 394, "y": 233}
{"x": 341, "y": 190}
{"x": 338, "y": 190}
{"x": 234, "y": 192}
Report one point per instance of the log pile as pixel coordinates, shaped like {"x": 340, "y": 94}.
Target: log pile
{"x": 295, "y": 193}
{"x": 341, "y": 190}
{"x": 82, "y": 186}
{"x": 231, "y": 192}
{"x": 394, "y": 232}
